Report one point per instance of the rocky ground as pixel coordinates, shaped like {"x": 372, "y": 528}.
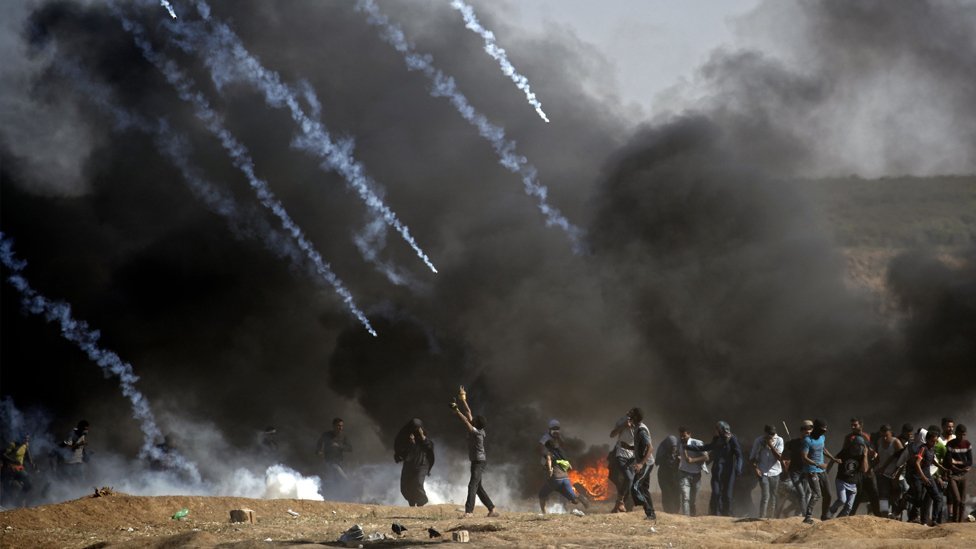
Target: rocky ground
{"x": 122, "y": 521}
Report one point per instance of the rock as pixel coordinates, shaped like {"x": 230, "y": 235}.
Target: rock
{"x": 243, "y": 515}
{"x": 353, "y": 536}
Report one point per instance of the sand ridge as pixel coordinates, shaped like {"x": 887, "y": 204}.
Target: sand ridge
{"x": 125, "y": 521}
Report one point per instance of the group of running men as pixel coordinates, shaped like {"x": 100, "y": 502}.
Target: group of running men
{"x": 918, "y": 475}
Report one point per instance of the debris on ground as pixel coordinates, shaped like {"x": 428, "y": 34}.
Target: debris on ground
{"x": 353, "y": 537}
{"x": 243, "y": 515}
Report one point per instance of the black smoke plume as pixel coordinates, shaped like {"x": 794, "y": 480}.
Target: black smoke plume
{"x": 710, "y": 290}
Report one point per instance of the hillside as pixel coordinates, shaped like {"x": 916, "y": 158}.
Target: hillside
{"x": 903, "y": 212}
{"x": 128, "y": 522}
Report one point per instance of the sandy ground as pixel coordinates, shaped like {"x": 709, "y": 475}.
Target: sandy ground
{"x": 129, "y": 521}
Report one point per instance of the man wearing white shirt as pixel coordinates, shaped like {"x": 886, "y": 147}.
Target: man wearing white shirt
{"x": 767, "y": 451}
{"x": 691, "y": 465}
{"x": 622, "y": 462}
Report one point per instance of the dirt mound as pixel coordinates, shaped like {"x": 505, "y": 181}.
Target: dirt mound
{"x": 123, "y": 521}
{"x": 870, "y": 530}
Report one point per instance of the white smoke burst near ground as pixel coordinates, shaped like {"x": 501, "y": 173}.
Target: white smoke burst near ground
{"x": 228, "y": 60}
{"x": 498, "y": 54}
{"x": 78, "y": 332}
{"x": 242, "y": 160}
{"x": 444, "y": 86}
{"x": 448, "y": 483}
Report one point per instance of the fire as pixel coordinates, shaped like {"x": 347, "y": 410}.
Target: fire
{"x": 594, "y": 478}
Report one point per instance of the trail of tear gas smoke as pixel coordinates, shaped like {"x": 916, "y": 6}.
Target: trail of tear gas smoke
{"x": 227, "y": 59}
{"x": 444, "y": 86}
{"x": 78, "y": 332}
{"x": 242, "y": 160}
{"x": 370, "y": 240}
{"x": 169, "y": 8}
{"x": 498, "y": 54}
{"x": 173, "y": 147}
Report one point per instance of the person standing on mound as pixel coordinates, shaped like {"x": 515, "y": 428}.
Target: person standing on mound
{"x": 476, "y": 453}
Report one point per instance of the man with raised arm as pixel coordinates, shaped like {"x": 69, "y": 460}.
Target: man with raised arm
{"x": 476, "y": 453}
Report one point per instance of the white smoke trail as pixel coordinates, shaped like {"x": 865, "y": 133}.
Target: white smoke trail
{"x": 369, "y": 241}
{"x": 173, "y": 147}
{"x": 169, "y": 8}
{"x": 225, "y": 55}
{"x": 242, "y": 160}
{"x": 498, "y": 54}
{"x": 78, "y": 332}
{"x": 444, "y": 86}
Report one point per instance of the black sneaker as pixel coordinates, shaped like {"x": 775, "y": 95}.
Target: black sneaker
{"x": 808, "y": 520}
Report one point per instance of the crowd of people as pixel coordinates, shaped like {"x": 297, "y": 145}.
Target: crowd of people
{"x": 918, "y": 475}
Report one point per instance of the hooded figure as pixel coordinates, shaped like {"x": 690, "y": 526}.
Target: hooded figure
{"x": 667, "y": 461}
{"x": 727, "y": 461}
{"x": 412, "y": 448}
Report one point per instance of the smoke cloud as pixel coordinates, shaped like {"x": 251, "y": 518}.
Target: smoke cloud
{"x": 709, "y": 289}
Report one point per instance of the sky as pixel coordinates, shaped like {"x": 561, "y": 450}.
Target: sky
{"x": 651, "y": 45}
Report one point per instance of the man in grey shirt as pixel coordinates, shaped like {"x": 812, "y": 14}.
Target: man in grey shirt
{"x": 476, "y": 453}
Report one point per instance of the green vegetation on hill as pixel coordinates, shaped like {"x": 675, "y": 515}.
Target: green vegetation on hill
{"x": 901, "y": 212}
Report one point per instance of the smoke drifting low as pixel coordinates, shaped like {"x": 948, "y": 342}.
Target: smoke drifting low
{"x": 708, "y": 290}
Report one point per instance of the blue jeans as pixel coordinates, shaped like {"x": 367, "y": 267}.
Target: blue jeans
{"x": 933, "y": 494}
{"x": 798, "y": 490}
{"x": 767, "y": 502}
{"x": 688, "y": 483}
{"x": 813, "y": 481}
{"x": 625, "y": 478}
{"x": 562, "y": 485}
{"x": 846, "y": 494}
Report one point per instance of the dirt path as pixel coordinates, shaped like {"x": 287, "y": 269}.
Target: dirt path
{"x": 128, "y": 521}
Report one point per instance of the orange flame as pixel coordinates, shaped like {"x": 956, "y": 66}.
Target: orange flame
{"x": 594, "y": 478}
